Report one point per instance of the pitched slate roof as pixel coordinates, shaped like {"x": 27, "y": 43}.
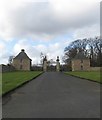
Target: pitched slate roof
{"x": 80, "y": 55}
{"x": 22, "y": 55}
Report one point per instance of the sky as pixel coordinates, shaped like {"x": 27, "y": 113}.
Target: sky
{"x": 46, "y": 26}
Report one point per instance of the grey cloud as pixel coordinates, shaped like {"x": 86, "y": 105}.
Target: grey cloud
{"x": 39, "y": 18}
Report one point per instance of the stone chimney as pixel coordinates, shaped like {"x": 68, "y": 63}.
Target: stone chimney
{"x": 22, "y": 50}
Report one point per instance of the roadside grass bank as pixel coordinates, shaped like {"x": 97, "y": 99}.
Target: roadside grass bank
{"x": 12, "y": 80}
{"x": 92, "y": 75}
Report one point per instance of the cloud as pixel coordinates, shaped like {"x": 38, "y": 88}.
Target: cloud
{"x": 43, "y": 20}
{"x": 87, "y": 32}
{"x": 4, "y": 53}
{"x": 47, "y": 19}
{"x": 34, "y": 51}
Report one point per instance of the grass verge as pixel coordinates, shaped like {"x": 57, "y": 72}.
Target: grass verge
{"x": 12, "y": 80}
{"x": 94, "y": 76}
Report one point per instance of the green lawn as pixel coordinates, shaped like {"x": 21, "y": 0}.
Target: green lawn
{"x": 11, "y": 80}
{"x": 94, "y": 76}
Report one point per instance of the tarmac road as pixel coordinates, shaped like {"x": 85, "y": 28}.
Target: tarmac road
{"x": 54, "y": 95}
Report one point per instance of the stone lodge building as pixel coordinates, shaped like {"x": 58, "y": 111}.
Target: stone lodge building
{"x": 80, "y": 63}
{"x": 22, "y": 61}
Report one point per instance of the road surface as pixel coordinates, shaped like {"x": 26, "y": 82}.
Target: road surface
{"x": 54, "y": 95}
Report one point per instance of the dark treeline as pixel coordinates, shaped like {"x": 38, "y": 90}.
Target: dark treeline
{"x": 91, "y": 48}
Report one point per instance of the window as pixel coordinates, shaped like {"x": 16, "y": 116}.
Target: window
{"x": 21, "y": 60}
{"x": 81, "y": 67}
{"x": 81, "y": 61}
{"x": 21, "y": 67}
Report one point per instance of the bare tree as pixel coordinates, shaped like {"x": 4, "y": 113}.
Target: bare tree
{"x": 10, "y": 60}
{"x": 91, "y": 47}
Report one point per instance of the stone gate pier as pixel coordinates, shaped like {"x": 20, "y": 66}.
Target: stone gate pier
{"x": 57, "y": 64}
{"x": 45, "y": 64}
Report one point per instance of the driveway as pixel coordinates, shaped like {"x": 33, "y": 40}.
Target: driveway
{"x": 54, "y": 95}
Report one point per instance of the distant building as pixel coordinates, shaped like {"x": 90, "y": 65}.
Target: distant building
{"x": 80, "y": 62}
{"x": 22, "y": 61}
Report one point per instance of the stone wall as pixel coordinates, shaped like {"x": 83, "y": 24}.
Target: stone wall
{"x": 36, "y": 68}
{"x": 86, "y": 65}
{"x": 25, "y": 64}
{"x": 95, "y": 68}
{"x": 6, "y": 68}
{"x": 76, "y": 65}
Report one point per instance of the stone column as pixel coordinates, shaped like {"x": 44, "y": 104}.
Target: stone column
{"x": 45, "y": 64}
{"x": 57, "y": 64}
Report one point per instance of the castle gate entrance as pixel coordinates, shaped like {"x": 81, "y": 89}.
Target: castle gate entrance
{"x": 51, "y": 65}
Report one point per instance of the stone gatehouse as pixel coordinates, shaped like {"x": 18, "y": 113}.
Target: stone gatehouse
{"x": 80, "y": 63}
{"x": 22, "y": 61}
